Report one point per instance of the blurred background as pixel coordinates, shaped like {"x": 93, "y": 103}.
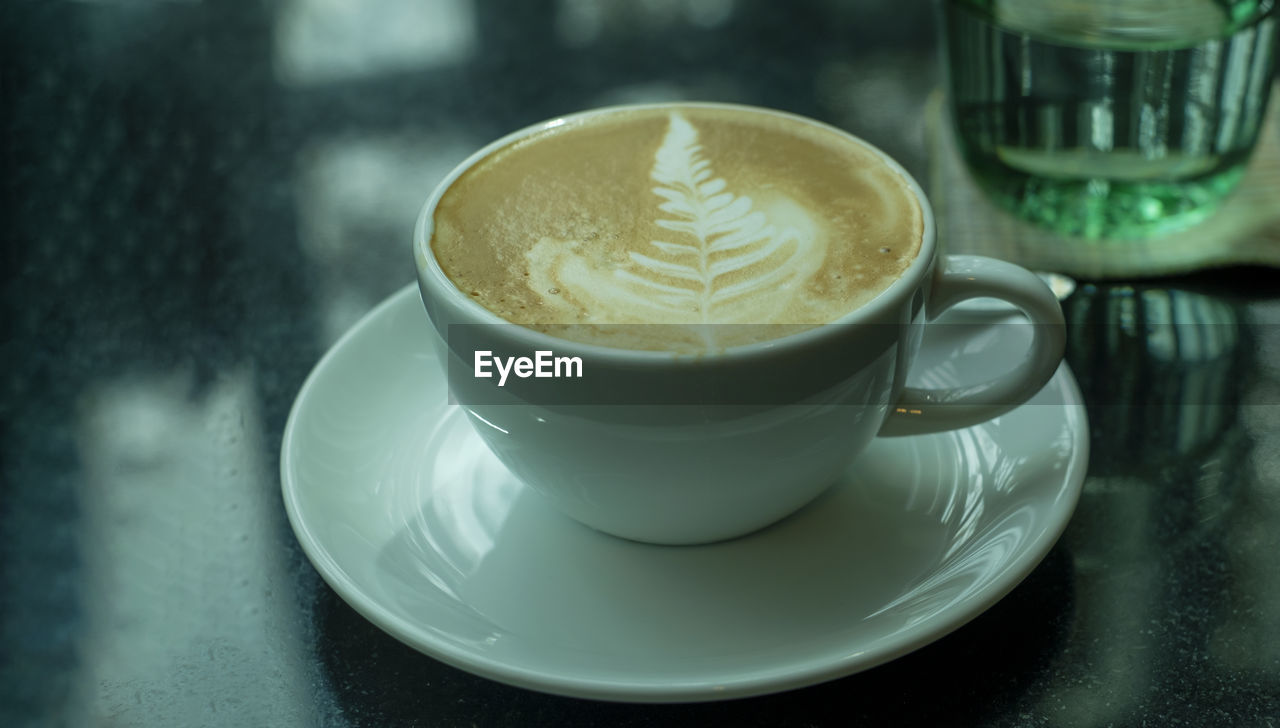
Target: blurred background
{"x": 201, "y": 196}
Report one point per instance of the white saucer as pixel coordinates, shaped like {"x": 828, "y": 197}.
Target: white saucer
{"x": 410, "y": 519}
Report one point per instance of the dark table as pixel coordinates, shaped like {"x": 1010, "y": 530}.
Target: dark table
{"x": 201, "y": 196}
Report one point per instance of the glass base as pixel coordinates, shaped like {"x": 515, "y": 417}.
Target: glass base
{"x": 1098, "y": 208}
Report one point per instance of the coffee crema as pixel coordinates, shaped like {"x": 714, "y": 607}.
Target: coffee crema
{"x": 677, "y": 228}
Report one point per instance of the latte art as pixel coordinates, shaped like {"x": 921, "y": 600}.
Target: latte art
{"x": 681, "y": 220}
{"x": 721, "y": 259}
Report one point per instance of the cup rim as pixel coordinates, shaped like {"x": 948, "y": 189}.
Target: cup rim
{"x": 431, "y": 275}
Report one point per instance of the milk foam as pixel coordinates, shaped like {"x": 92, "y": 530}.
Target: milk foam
{"x": 689, "y": 218}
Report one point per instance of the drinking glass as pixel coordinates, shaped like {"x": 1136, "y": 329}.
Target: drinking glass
{"x": 1108, "y": 119}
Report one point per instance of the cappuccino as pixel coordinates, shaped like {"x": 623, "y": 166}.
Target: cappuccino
{"x": 655, "y": 227}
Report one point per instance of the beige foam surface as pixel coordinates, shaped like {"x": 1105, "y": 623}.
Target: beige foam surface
{"x": 689, "y": 217}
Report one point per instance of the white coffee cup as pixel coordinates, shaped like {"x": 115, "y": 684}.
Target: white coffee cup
{"x": 680, "y": 450}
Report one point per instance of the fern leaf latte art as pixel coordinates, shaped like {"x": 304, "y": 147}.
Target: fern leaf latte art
{"x": 652, "y": 228}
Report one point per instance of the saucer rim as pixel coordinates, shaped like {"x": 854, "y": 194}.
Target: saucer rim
{"x": 791, "y": 675}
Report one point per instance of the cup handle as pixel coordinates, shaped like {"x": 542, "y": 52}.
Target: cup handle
{"x": 959, "y": 278}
